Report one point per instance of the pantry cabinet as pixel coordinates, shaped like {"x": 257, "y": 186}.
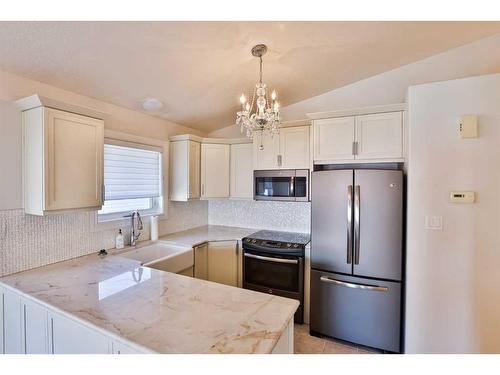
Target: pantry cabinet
{"x": 241, "y": 185}
{"x": 62, "y": 162}
{"x": 223, "y": 262}
{"x": 185, "y": 159}
{"x": 287, "y": 150}
{"x": 215, "y": 170}
{"x": 365, "y": 138}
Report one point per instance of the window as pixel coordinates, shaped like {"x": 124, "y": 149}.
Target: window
{"x": 132, "y": 180}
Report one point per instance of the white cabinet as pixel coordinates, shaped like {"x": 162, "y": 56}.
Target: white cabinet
{"x": 294, "y": 147}
{"x": 287, "y": 150}
{"x": 333, "y": 139}
{"x": 241, "y": 185}
{"x": 184, "y": 170}
{"x": 265, "y": 151}
{"x": 71, "y": 337}
{"x": 35, "y": 328}
{"x": 379, "y": 136}
{"x": 223, "y": 262}
{"x": 201, "y": 262}
{"x": 12, "y": 323}
{"x": 364, "y": 138}
{"x": 63, "y": 161}
{"x": 1, "y": 322}
{"x": 122, "y": 348}
{"x": 215, "y": 170}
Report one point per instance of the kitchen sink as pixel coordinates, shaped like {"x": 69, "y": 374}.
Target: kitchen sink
{"x": 163, "y": 256}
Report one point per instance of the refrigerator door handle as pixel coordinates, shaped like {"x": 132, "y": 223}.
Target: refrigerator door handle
{"x": 356, "y": 223}
{"x": 375, "y": 288}
{"x": 349, "y": 224}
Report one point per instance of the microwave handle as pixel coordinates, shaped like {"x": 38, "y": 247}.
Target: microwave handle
{"x": 292, "y": 186}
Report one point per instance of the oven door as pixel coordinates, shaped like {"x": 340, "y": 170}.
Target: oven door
{"x": 274, "y": 185}
{"x": 272, "y": 272}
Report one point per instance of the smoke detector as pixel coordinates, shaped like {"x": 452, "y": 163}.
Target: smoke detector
{"x": 152, "y": 104}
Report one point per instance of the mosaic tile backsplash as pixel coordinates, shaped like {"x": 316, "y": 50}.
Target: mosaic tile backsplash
{"x": 285, "y": 216}
{"x": 28, "y": 241}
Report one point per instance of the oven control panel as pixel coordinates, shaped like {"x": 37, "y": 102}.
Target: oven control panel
{"x": 272, "y": 244}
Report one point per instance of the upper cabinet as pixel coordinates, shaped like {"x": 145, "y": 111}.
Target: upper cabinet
{"x": 365, "y": 138}
{"x": 185, "y": 162}
{"x": 215, "y": 170}
{"x": 63, "y": 161}
{"x": 288, "y": 150}
{"x": 241, "y": 173}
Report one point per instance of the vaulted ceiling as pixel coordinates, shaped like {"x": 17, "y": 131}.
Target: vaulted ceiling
{"x": 199, "y": 69}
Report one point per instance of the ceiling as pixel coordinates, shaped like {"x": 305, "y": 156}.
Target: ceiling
{"x": 199, "y": 69}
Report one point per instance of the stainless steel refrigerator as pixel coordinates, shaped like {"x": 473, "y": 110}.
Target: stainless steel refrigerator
{"x": 357, "y": 256}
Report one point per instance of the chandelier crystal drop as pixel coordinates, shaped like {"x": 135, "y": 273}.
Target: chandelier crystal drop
{"x": 265, "y": 116}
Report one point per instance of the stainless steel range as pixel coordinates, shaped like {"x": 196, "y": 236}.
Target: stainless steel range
{"x": 274, "y": 263}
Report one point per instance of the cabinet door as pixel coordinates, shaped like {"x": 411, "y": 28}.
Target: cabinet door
{"x": 333, "y": 139}
{"x": 194, "y": 170}
{"x": 241, "y": 171}
{"x": 122, "y": 348}
{"x": 265, "y": 151}
{"x": 179, "y": 171}
{"x": 71, "y": 337}
{"x": 12, "y": 323}
{"x": 73, "y": 160}
{"x": 35, "y": 328}
{"x": 214, "y": 170}
{"x": 1, "y": 322}
{"x": 223, "y": 262}
{"x": 380, "y": 136}
{"x": 294, "y": 147}
{"x": 201, "y": 262}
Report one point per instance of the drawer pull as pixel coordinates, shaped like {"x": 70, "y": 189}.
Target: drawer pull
{"x": 375, "y": 288}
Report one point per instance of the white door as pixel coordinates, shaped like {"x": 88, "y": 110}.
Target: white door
{"x": 241, "y": 171}
{"x": 333, "y": 139}
{"x": 35, "y": 328}
{"x": 74, "y": 160}
{"x": 265, "y": 151}
{"x": 194, "y": 170}
{"x": 71, "y": 337}
{"x": 214, "y": 170}
{"x": 294, "y": 147}
{"x": 380, "y": 136}
{"x": 223, "y": 262}
{"x": 12, "y": 323}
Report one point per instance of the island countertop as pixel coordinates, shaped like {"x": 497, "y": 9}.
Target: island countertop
{"x": 159, "y": 311}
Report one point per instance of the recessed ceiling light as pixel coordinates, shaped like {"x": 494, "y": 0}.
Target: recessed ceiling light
{"x": 152, "y": 104}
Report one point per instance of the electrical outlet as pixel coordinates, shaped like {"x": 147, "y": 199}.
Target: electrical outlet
{"x": 434, "y": 222}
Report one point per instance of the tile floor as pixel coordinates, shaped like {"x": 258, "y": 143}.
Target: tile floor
{"x": 307, "y": 344}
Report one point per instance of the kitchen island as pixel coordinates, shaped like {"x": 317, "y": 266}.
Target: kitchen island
{"x": 143, "y": 310}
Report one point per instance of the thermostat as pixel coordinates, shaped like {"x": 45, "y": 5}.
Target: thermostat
{"x": 468, "y": 126}
{"x": 462, "y": 196}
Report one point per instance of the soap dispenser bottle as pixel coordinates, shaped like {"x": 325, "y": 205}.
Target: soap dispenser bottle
{"x": 119, "y": 243}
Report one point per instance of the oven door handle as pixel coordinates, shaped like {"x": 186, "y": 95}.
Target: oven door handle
{"x": 270, "y": 259}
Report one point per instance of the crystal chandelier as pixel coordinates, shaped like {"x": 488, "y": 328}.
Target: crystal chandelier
{"x": 266, "y": 115}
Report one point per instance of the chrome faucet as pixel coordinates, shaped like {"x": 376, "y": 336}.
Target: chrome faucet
{"x": 134, "y": 235}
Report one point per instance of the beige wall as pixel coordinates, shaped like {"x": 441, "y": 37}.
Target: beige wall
{"x": 453, "y": 280}
{"x": 481, "y": 57}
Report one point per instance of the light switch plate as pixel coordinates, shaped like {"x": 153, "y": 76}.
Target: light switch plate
{"x": 434, "y": 222}
{"x": 468, "y": 126}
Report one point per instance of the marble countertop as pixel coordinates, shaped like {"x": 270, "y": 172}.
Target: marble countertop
{"x": 161, "y": 311}
{"x": 199, "y": 235}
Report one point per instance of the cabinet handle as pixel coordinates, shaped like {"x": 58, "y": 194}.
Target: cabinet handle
{"x": 103, "y": 193}
{"x": 202, "y": 189}
{"x": 279, "y": 160}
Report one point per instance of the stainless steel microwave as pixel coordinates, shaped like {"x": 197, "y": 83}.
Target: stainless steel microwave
{"x": 282, "y": 185}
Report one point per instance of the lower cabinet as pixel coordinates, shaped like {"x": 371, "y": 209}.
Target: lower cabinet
{"x": 27, "y": 327}
{"x": 223, "y": 262}
{"x": 71, "y": 337}
{"x": 201, "y": 262}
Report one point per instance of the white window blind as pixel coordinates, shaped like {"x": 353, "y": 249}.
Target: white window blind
{"x": 131, "y": 172}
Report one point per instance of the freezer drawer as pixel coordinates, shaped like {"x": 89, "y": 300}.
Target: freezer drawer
{"x": 363, "y": 311}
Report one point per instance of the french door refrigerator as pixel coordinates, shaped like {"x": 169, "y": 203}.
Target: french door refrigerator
{"x": 357, "y": 256}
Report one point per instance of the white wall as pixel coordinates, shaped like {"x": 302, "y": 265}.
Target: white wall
{"x": 285, "y": 216}
{"x": 453, "y": 278}
{"x": 480, "y": 57}
{"x": 27, "y": 241}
